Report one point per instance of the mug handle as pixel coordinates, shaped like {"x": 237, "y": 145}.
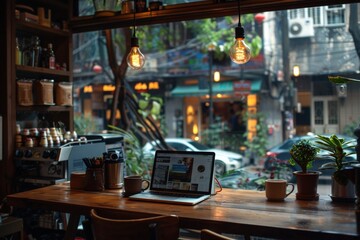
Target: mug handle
{"x": 292, "y": 188}
{"x": 147, "y": 185}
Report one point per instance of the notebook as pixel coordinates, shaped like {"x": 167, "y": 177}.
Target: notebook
{"x": 180, "y": 177}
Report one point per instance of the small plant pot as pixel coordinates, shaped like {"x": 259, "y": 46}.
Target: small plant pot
{"x": 342, "y": 191}
{"x": 307, "y": 185}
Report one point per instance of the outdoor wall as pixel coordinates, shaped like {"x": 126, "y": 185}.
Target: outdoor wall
{"x": 272, "y": 113}
{"x": 173, "y": 108}
{"x": 350, "y": 106}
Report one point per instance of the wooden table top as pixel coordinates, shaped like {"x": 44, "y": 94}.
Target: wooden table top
{"x": 230, "y": 211}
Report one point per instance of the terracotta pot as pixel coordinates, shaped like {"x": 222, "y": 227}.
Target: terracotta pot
{"x": 307, "y": 185}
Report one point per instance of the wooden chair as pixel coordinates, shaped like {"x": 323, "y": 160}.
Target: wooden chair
{"x": 150, "y": 228}
{"x": 210, "y": 235}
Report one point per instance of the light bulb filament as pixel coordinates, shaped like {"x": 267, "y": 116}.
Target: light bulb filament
{"x": 240, "y": 53}
{"x": 135, "y": 59}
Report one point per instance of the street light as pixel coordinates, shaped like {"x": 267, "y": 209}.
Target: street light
{"x": 211, "y": 50}
{"x": 216, "y": 76}
{"x": 296, "y": 71}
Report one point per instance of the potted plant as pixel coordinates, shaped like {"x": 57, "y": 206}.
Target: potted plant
{"x": 341, "y": 186}
{"x": 303, "y": 153}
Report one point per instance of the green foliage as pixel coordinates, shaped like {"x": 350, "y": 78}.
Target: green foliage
{"x": 222, "y": 30}
{"x": 152, "y": 106}
{"x": 257, "y": 146}
{"x": 336, "y": 147}
{"x": 303, "y": 153}
{"x": 279, "y": 169}
{"x": 136, "y": 161}
{"x": 214, "y": 135}
{"x": 84, "y": 125}
{"x": 350, "y": 128}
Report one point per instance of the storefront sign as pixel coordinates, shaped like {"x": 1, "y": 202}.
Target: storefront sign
{"x": 144, "y": 87}
{"x": 242, "y": 88}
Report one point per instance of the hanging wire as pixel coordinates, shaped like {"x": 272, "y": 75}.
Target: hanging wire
{"x": 239, "y": 23}
{"x": 134, "y": 35}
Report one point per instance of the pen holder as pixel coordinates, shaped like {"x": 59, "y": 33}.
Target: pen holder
{"x": 94, "y": 179}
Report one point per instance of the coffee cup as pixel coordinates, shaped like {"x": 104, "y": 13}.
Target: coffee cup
{"x": 276, "y": 189}
{"x": 135, "y": 184}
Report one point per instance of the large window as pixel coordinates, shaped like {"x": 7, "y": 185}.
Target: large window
{"x": 278, "y": 106}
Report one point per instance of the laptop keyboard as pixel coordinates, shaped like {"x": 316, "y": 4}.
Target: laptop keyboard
{"x": 176, "y": 195}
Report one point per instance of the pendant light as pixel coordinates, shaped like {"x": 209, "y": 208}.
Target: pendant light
{"x": 239, "y": 52}
{"x": 135, "y": 58}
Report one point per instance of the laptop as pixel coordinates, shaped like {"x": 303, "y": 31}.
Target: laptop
{"x": 180, "y": 177}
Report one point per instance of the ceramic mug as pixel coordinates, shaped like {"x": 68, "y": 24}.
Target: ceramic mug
{"x": 135, "y": 184}
{"x": 276, "y": 189}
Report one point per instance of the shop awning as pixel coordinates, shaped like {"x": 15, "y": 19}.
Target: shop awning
{"x": 221, "y": 87}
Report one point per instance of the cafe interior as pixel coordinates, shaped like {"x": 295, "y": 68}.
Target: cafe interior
{"x": 62, "y": 189}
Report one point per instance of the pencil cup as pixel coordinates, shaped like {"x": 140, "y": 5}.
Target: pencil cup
{"x": 94, "y": 179}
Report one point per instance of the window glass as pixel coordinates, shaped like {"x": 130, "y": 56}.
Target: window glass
{"x": 276, "y": 107}
{"x": 335, "y": 14}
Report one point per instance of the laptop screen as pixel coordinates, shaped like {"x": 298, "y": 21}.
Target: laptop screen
{"x": 183, "y": 171}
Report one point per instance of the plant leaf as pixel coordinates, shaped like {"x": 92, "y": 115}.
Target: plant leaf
{"x": 341, "y": 80}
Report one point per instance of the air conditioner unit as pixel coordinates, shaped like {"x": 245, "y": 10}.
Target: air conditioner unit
{"x": 301, "y": 28}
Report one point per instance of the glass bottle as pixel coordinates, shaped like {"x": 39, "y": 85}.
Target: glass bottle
{"x": 51, "y": 56}
{"x": 18, "y": 53}
{"x": 26, "y": 56}
{"x": 36, "y": 52}
{"x": 44, "y": 58}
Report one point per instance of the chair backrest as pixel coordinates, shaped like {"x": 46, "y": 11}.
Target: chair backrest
{"x": 210, "y": 235}
{"x": 151, "y": 228}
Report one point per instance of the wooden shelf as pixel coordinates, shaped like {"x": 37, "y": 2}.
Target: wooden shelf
{"x": 42, "y": 71}
{"x": 44, "y": 108}
{"x": 59, "y": 5}
{"x": 41, "y": 30}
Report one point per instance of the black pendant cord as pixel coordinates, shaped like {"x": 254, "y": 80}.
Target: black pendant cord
{"x": 134, "y": 34}
{"x": 239, "y": 23}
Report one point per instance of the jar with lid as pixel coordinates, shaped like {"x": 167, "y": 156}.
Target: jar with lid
{"x": 63, "y": 94}
{"x": 25, "y": 92}
{"x": 44, "y": 92}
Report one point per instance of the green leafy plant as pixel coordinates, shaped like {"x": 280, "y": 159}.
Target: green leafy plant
{"x": 137, "y": 162}
{"x": 337, "y": 152}
{"x": 84, "y": 125}
{"x": 257, "y": 146}
{"x": 303, "y": 153}
{"x": 279, "y": 169}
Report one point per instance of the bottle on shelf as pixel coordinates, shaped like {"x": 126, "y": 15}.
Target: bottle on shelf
{"x": 44, "y": 58}
{"x": 36, "y": 52}
{"x": 18, "y": 53}
{"x": 51, "y": 56}
{"x": 26, "y": 56}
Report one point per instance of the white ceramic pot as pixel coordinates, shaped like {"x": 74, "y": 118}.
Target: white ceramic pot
{"x": 342, "y": 191}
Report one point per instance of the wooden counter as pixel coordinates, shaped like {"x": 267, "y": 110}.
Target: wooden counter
{"x": 230, "y": 211}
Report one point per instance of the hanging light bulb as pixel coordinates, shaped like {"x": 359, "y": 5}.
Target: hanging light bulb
{"x": 239, "y": 52}
{"x": 135, "y": 58}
